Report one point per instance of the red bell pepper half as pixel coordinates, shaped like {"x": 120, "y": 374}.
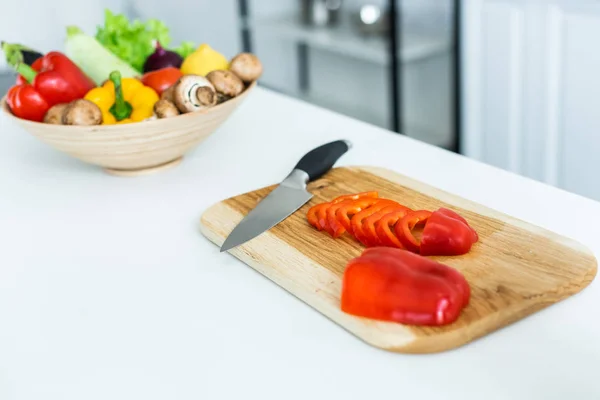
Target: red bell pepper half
{"x": 447, "y": 234}
{"x": 51, "y": 79}
{"x": 396, "y": 285}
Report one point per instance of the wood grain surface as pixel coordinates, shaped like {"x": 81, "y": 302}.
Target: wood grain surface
{"x": 514, "y": 270}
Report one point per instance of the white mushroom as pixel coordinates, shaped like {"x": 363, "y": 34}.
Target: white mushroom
{"x": 193, "y": 93}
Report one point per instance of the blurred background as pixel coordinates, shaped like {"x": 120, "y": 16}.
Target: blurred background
{"x": 512, "y": 83}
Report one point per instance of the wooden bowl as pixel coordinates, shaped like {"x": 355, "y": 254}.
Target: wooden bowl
{"x": 136, "y": 148}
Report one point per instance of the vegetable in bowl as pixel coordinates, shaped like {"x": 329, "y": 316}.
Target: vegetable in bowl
{"x": 125, "y": 73}
{"x": 133, "y": 41}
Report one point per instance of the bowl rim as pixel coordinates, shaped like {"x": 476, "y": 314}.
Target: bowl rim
{"x": 40, "y": 125}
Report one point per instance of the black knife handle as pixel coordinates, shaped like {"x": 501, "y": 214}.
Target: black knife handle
{"x": 320, "y": 160}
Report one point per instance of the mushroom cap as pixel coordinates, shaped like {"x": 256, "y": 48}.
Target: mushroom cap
{"x": 247, "y": 66}
{"x": 55, "y": 113}
{"x": 226, "y": 82}
{"x": 187, "y": 93}
{"x": 165, "y": 109}
{"x": 82, "y": 112}
{"x": 168, "y": 94}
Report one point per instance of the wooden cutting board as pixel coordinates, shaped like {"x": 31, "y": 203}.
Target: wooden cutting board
{"x": 514, "y": 270}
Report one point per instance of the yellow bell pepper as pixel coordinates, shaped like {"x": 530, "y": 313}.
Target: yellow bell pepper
{"x": 123, "y": 100}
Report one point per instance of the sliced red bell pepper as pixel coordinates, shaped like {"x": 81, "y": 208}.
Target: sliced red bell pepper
{"x": 447, "y": 234}
{"x": 313, "y": 215}
{"x": 338, "y": 215}
{"x": 317, "y": 214}
{"x": 383, "y": 227}
{"x": 346, "y": 213}
{"x": 399, "y": 286}
{"x": 405, "y": 227}
{"x": 370, "y": 236}
{"x": 322, "y": 212}
{"x": 359, "y": 218}
{"x": 355, "y": 196}
{"x": 53, "y": 78}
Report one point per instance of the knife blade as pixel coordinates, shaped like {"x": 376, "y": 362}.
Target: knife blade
{"x": 289, "y": 195}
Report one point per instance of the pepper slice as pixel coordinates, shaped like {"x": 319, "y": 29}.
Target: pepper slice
{"x": 321, "y": 213}
{"x": 338, "y": 215}
{"x": 396, "y": 285}
{"x": 365, "y": 206}
{"x": 447, "y": 234}
{"x": 358, "y": 219}
{"x": 383, "y": 228}
{"x": 317, "y": 214}
{"x": 369, "y": 226}
{"x": 312, "y": 215}
{"x": 404, "y": 229}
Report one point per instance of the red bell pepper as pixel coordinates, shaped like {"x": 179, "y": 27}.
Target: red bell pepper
{"x": 359, "y": 218}
{"x": 446, "y": 234}
{"x": 51, "y": 79}
{"x": 318, "y": 213}
{"x": 399, "y": 286}
{"x": 369, "y": 235}
{"x": 455, "y": 215}
{"x": 339, "y": 214}
{"x": 383, "y": 227}
{"x": 313, "y": 214}
{"x": 26, "y": 103}
{"x": 405, "y": 227}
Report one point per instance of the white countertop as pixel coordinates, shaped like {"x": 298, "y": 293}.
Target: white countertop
{"x": 109, "y": 291}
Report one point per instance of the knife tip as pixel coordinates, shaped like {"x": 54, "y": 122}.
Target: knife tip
{"x": 226, "y": 246}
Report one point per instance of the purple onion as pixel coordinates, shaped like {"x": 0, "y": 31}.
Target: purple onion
{"x": 162, "y": 58}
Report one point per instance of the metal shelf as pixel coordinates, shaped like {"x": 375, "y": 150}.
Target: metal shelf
{"x": 343, "y": 39}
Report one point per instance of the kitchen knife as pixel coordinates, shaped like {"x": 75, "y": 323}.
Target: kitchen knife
{"x": 289, "y": 195}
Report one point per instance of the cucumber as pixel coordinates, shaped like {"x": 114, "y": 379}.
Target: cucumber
{"x": 93, "y": 58}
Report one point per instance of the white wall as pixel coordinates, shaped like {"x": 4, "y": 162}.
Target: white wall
{"x": 41, "y": 24}
{"x": 202, "y": 21}
{"x": 531, "y": 86}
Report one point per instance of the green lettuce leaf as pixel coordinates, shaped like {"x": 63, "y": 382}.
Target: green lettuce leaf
{"x": 133, "y": 41}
